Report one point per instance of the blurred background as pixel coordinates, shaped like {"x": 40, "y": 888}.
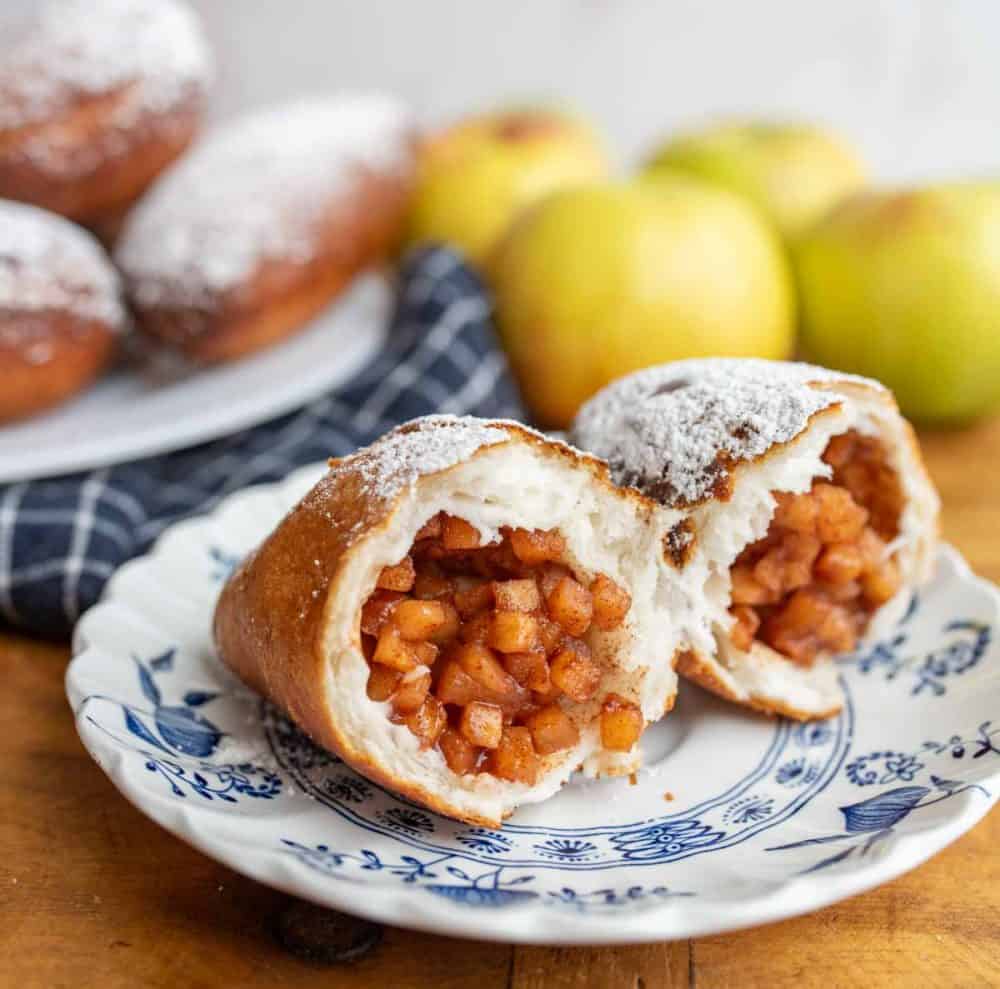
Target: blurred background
{"x": 906, "y": 90}
{"x": 634, "y": 182}
{"x": 913, "y": 83}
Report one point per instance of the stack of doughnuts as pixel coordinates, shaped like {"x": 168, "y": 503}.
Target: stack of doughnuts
{"x": 61, "y": 310}
{"x": 231, "y": 248}
{"x": 95, "y": 101}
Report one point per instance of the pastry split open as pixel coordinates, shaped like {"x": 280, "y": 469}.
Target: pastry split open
{"x": 466, "y": 612}
{"x": 811, "y": 514}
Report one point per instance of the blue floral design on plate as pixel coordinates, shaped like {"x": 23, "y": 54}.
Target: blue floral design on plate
{"x": 484, "y": 840}
{"x": 494, "y": 888}
{"x": 749, "y": 809}
{"x": 597, "y": 899}
{"x": 350, "y": 788}
{"x": 883, "y": 767}
{"x": 966, "y": 644}
{"x": 984, "y": 742}
{"x": 663, "y": 842}
{"x": 407, "y": 819}
{"x": 877, "y": 816}
{"x": 484, "y": 890}
{"x": 797, "y": 772}
{"x": 174, "y": 733}
{"x": 566, "y": 849}
{"x": 811, "y": 733}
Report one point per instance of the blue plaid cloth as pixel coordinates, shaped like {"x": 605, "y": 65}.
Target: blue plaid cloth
{"x": 62, "y": 538}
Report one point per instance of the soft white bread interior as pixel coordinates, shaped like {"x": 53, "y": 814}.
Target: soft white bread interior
{"x": 757, "y": 427}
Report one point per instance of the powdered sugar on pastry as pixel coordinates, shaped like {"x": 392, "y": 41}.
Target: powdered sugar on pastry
{"x": 78, "y": 48}
{"x": 251, "y": 192}
{"x": 672, "y": 430}
{"x": 424, "y": 446}
{"x": 48, "y": 263}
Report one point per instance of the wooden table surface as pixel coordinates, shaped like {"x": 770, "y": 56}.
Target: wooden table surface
{"x": 94, "y": 894}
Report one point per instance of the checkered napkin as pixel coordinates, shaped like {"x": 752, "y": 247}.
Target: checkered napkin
{"x": 62, "y": 538}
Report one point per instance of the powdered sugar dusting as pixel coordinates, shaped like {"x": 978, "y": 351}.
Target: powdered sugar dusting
{"x": 420, "y": 447}
{"x": 154, "y": 49}
{"x": 254, "y": 191}
{"x": 670, "y": 430}
{"x": 48, "y": 263}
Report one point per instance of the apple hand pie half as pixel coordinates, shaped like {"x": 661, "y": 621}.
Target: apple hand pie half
{"x": 812, "y": 516}
{"x": 466, "y": 612}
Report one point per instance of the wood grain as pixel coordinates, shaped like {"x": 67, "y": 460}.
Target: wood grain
{"x": 645, "y": 966}
{"x": 94, "y": 894}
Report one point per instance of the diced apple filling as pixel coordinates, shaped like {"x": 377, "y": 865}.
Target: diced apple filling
{"x": 478, "y": 648}
{"x": 811, "y": 585}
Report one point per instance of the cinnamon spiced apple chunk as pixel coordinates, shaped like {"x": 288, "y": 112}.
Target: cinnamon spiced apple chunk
{"x": 811, "y": 516}
{"x": 466, "y": 612}
{"x": 503, "y": 630}
{"x": 812, "y": 583}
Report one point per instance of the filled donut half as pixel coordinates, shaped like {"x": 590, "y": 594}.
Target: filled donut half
{"x": 466, "y": 612}
{"x": 812, "y": 516}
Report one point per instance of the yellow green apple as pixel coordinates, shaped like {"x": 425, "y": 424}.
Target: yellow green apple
{"x": 474, "y": 177}
{"x": 602, "y": 279}
{"x": 793, "y": 172}
{"x": 904, "y": 286}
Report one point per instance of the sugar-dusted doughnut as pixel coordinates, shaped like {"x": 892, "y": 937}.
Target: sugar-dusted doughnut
{"x": 812, "y": 515}
{"x": 60, "y": 309}
{"x": 464, "y": 611}
{"x": 96, "y": 100}
{"x": 265, "y": 222}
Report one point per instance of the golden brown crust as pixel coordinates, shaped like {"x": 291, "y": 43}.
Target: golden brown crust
{"x": 75, "y": 353}
{"x": 269, "y": 619}
{"x": 100, "y": 169}
{"x": 272, "y": 612}
{"x": 360, "y": 230}
{"x": 693, "y": 666}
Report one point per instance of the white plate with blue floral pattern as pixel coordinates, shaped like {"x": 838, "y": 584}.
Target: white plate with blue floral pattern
{"x": 738, "y": 820}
